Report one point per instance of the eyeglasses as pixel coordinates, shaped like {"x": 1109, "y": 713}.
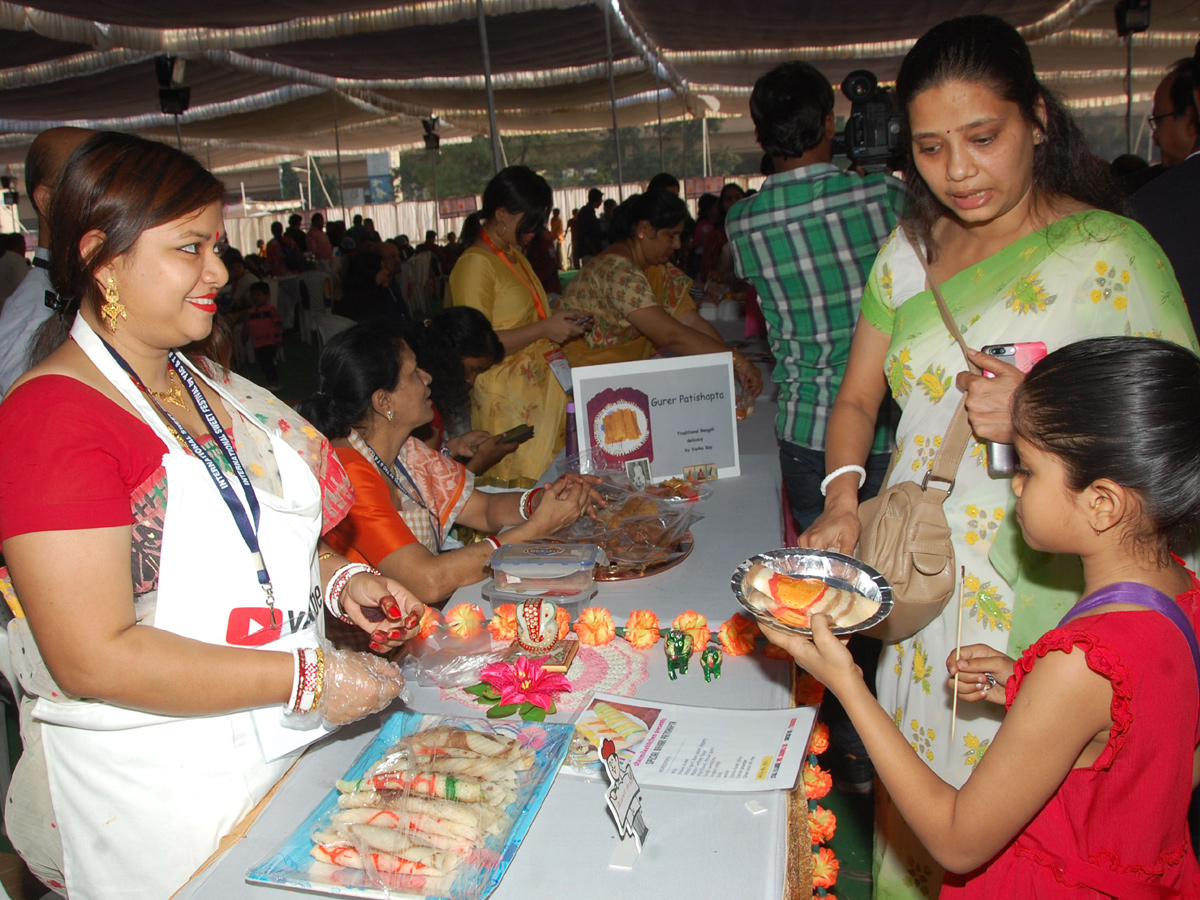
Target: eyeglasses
{"x": 1153, "y": 121}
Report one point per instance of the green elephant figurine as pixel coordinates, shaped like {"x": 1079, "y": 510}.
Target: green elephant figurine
{"x": 678, "y": 645}
{"x": 710, "y": 663}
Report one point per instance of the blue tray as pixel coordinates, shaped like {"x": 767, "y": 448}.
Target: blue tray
{"x": 291, "y": 866}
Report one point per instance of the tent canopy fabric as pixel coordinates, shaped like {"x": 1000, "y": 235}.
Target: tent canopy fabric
{"x": 263, "y": 75}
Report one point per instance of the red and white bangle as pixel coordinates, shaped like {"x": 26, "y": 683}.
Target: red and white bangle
{"x": 493, "y": 540}
{"x": 337, "y": 584}
{"x": 308, "y": 679}
{"x": 525, "y": 508}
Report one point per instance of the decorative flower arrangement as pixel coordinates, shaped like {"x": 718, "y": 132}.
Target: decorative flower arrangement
{"x": 817, "y": 782}
{"x": 522, "y": 687}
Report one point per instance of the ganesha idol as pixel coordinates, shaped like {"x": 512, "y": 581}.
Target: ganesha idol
{"x": 537, "y": 625}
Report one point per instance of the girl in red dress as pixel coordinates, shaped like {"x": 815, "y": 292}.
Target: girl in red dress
{"x": 1083, "y": 793}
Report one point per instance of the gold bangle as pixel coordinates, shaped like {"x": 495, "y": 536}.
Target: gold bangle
{"x": 320, "y": 679}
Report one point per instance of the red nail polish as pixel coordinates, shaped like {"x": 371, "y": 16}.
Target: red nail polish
{"x": 412, "y": 621}
{"x": 395, "y": 634}
{"x": 378, "y": 637}
{"x": 377, "y": 648}
{"x": 391, "y": 607}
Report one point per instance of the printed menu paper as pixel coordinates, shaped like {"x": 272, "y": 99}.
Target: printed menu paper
{"x": 699, "y": 748}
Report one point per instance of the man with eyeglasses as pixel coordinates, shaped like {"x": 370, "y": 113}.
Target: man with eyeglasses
{"x": 1169, "y": 206}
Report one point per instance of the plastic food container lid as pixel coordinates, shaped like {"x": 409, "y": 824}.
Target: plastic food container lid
{"x": 545, "y": 560}
{"x": 573, "y": 604}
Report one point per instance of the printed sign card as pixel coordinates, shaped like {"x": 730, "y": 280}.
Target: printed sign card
{"x": 675, "y": 414}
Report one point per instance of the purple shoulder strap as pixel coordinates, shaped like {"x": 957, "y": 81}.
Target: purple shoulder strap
{"x": 1140, "y": 595}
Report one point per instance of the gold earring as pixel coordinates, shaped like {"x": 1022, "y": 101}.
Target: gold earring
{"x": 391, "y": 415}
{"x": 113, "y": 307}
{"x": 641, "y": 235}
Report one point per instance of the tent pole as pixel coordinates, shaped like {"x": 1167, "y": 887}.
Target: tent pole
{"x": 321, "y": 182}
{"x": 683, "y": 124}
{"x": 487, "y": 81}
{"x": 1129, "y": 93}
{"x": 612, "y": 96}
{"x": 337, "y": 145}
{"x": 178, "y": 133}
{"x": 308, "y": 168}
{"x": 662, "y": 153}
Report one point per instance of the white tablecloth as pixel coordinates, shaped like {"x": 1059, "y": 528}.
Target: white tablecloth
{"x": 700, "y": 845}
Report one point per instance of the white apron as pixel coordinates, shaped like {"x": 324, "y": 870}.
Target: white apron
{"x": 141, "y": 800}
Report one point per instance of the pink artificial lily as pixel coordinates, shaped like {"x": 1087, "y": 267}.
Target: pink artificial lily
{"x": 525, "y": 681}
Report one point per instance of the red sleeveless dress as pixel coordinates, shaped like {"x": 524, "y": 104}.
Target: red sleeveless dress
{"x": 1118, "y": 828}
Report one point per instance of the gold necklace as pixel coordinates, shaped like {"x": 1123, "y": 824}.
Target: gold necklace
{"x": 173, "y": 394}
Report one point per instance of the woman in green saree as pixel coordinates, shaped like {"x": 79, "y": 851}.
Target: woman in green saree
{"x": 1010, "y": 209}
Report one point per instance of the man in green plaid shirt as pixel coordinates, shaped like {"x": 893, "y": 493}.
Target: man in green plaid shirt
{"x": 807, "y": 241}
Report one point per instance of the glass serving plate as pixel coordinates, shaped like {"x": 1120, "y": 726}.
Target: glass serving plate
{"x": 835, "y": 569}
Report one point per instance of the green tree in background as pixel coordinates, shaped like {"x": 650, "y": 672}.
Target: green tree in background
{"x": 568, "y": 159}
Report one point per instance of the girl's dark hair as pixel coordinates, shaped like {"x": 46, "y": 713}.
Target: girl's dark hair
{"x": 442, "y": 343}
{"x": 722, "y": 209}
{"x": 120, "y": 185}
{"x": 705, "y": 206}
{"x": 1126, "y": 409}
{"x": 521, "y": 191}
{"x": 354, "y": 365}
{"x": 661, "y": 209}
{"x": 663, "y": 181}
{"x": 989, "y": 51}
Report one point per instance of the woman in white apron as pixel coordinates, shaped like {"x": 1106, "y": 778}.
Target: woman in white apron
{"x": 163, "y": 699}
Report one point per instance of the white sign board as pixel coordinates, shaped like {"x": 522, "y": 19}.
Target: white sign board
{"x": 678, "y": 414}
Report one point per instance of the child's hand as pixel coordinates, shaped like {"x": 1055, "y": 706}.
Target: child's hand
{"x": 824, "y": 655}
{"x": 982, "y": 673}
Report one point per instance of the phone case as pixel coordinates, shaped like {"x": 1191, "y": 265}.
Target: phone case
{"x": 1002, "y": 458}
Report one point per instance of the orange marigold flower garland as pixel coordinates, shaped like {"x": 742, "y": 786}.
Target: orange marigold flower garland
{"x": 430, "y": 620}
{"x": 820, "y": 739}
{"x": 737, "y": 635}
{"x": 503, "y": 624}
{"x": 824, "y": 869}
{"x": 563, "y": 618}
{"x": 809, "y": 691}
{"x": 821, "y": 824}
{"x": 696, "y": 625}
{"x": 465, "y": 620}
{"x": 641, "y": 629}
{"x": 595, "y": 627}
{"x": 817, "y": 781}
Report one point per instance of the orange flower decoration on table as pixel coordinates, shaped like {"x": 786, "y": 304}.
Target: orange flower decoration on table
{"x": 595, "y": 627}
{"x": 430, "y": 620}
{"x": 820, "y": 739}
{"x": 809, "y": 691}
{"x": 465, "y": 620}
{"x": 737, "y": 635}
{"x": 641, "y": 629}
{"x": 817, "y": 782}
{"x": 696, "y": 625}
{"x": 563, "y": 618}
{"x": 774, "y": 651}
{"x": 825, "y": 868}
{"x": 503, "y": 624}
{"x": 821, "y": 824}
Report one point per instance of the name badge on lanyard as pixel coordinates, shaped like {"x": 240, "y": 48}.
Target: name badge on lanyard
{"x": 249, "y": 625}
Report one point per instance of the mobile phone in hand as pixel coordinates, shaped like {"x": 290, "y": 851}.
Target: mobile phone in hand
{"x": 1002, "y": 458}
{"x": 518, "y": 435}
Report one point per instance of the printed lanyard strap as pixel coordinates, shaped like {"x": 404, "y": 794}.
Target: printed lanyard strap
{"x": 247, "y": 524}
{"x": 1144, "y": 596}
{"x": 390, "y": 473}
{"x": 537, "y": 301}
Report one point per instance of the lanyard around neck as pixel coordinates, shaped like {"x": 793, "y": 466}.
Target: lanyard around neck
{"x": 247, "y": 522}
{"x": 389, "y": 472}
{"x": 537, "y": 300}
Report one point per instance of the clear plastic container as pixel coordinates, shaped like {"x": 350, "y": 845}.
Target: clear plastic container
{"x": 573, "y": 604}
{"x": 551, "y": 570}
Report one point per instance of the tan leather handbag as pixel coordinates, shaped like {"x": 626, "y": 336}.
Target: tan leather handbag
{"x": 905, "y": 536}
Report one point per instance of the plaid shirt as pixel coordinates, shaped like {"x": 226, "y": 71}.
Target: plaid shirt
{"x": 807, "y": 241}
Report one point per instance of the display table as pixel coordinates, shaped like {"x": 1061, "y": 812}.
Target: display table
{"x": 700, "y": 844}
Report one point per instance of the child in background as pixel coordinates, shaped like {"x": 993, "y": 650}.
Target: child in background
{"x": 266, "y": 331}
{"x": 1084, "y": 790}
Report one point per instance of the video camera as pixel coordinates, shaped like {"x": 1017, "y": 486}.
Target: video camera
{"x": 872, "y": 134}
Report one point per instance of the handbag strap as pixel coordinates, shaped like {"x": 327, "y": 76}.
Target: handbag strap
{"x": 948, "y": 319}
{"x": 954, "y": 442}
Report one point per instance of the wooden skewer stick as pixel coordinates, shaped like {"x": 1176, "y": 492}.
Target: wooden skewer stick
{"x": 962, "y": 575}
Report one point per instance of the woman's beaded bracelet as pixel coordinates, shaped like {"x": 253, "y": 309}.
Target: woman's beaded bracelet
{"x": 525, "y": 507}
{"x": 308, "y": 679}
{"x": 337, "y": 584}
